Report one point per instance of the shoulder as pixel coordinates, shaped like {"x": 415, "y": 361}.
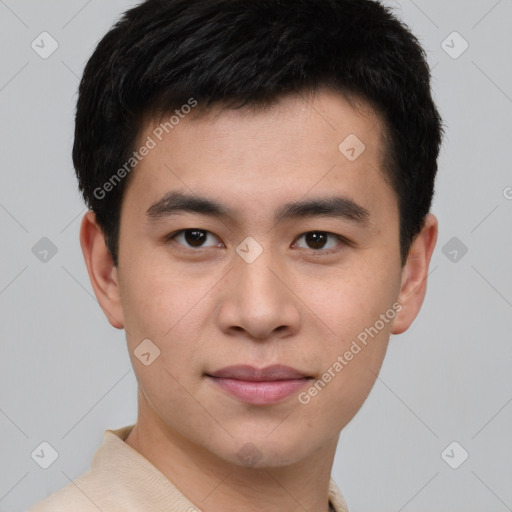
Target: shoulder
{"x": 73, "y": 496}
{"x": 103, "y": 485}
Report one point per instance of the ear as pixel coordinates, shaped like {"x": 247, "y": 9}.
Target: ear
{"x": 414, "y": 275}
{"x": 102, "y": 272}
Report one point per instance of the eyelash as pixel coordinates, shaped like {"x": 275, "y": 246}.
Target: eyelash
{"x": 343, "y": 241}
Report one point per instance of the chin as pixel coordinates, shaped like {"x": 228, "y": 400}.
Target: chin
{"x": 258, "y": 451}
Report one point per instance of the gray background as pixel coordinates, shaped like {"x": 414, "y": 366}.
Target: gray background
{"x": 65, "y": 375}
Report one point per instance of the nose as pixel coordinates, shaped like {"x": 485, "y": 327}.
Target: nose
{"x": 259, "y": 300}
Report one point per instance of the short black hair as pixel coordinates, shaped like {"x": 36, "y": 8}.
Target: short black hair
{"x": 232, "y": 53}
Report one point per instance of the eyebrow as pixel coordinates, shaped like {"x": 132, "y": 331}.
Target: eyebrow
{"x": 332, "y": 206}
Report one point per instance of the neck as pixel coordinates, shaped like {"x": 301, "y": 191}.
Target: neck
{"x": 214, "y": 484}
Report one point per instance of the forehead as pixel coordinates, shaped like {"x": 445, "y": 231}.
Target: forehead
{"x": 253, "y": 159}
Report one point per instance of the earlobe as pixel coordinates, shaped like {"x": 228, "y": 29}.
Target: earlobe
{"x": 102, "y": 272}
{"x": 414, "y": 275}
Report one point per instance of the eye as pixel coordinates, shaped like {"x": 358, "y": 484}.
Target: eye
{"x": 192, "y": 238}
{"x": 318, "y": 240}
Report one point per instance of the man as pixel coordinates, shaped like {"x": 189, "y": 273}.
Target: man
{"x": 259, "y": 176}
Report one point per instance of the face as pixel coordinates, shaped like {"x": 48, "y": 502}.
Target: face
{"x": 255, "y": 280}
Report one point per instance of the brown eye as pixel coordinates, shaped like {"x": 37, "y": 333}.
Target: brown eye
{"x": 195, "y": 238}
{"x": 320, "y": 240}
{"x": 316, "y": 239}
{"x": 192, "y": 238}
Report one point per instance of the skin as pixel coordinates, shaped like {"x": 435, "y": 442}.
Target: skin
{"x": 293, "y": 305}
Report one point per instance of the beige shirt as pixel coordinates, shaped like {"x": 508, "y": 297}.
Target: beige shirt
{"x": 122, "y": 480}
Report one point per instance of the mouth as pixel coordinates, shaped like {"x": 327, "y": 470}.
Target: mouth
{"x": 259, "y": 386}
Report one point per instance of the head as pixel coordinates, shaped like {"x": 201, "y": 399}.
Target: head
{"x": 297, "y": 142}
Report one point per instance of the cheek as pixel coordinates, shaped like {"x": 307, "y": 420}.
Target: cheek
{"x": 159, "y": 305}
{"x": 352, "y": 299}
{"x": 156, "y": 296}
{"x": 350, "y": 367}
{"x": 358, "y": 308}
{"x": 163, "y": 303}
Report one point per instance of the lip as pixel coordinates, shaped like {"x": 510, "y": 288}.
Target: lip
{"x": 259, "y": 386}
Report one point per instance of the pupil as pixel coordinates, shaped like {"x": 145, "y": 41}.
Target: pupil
{"x": 194, "y": 238}
{"x": 316, "y": 239}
